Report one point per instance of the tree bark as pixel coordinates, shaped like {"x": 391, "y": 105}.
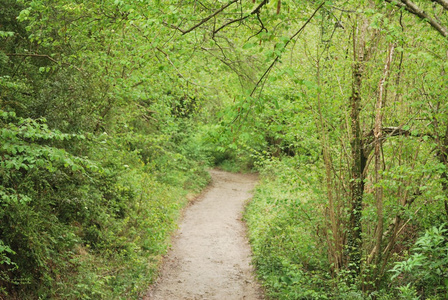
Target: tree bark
{"x": 358, "y": 160}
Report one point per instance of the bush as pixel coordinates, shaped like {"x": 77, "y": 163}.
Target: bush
{"x": 425, "y": 272}
{"x": 288, "y": 255}
{"x": 78, "y": 228}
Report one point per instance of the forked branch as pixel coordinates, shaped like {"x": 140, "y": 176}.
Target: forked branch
{"x": 205, "y": 19}
{"x": 253, "y": 12}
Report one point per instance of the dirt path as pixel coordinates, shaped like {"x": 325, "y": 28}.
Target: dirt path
{"x": 210, "y": 256}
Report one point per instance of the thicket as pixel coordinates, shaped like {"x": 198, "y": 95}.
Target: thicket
{"x": 353, "y": 200}
{"x": 97, "y": 155}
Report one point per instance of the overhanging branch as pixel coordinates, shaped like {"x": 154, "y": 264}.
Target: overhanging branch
{"x": 42, "y": 56}
{"x": 268, "y": 70}
{"x": 286, "y": 44}
{"x": 255, "y": 11}
{"x": 205, "y": 19}
{"x": 417, "y": 11}
{"x": 33, "y": 55}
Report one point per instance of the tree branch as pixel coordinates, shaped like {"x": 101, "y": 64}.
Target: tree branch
{"x": 42, "y": 56}
{"x": 255, "y": 11}
{"x": 175, "y": 68}
{"x": 268, "y": 70}
{"x": 396, "y": 131}
{"x": 261, "y": 29}
{"x": 286, "y": 44}
{"x": 205, "y": 19}
{"x": 444, "y": 3}
{"x": 387, "y": 132}
{"x": 415, "y": 10}
{"x": 33, "y": 55}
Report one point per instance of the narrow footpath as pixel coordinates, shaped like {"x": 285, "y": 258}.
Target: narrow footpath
{"x": 210, "y": 256}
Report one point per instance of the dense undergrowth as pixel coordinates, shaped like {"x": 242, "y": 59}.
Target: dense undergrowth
{"x": 85, "y": 227}
{"x": 98, "y": 153}
{"x": 286, "y": 227}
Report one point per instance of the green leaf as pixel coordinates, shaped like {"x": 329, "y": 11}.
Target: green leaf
{"x": 4, "y": 34}
{"x": 249, "y": 45}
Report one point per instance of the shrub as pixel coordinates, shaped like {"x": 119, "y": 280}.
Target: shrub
{"x": 426, "y": 270}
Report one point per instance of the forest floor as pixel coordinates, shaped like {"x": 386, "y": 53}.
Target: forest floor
{"x": 210, "y": 256}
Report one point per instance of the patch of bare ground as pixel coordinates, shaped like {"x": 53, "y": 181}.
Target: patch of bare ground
{"x": 210, "y": 256}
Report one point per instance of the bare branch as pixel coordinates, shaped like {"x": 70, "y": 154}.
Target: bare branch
{"x": 203, "y": 20}
{"x": 269, "y": 69}
{"x": 42, "y": 56}
{"x": 396, "y": 131}
{"x": 387, "y": 132}
{"x": 33, "y": 55}
{"x": 286, "y": 44}
{"x": 175, "y": 68}
{"x": 261, "y": 29}
{"x": 255, "y": 11}
{"x": 444, "y": 3}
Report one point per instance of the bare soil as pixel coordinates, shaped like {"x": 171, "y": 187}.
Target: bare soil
{"x": 210, "y": 256}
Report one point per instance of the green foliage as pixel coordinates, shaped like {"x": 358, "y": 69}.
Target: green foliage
{"x": 67, "y": 222}
{"x": 426, "y": 269}
{"x": 284, "y": 233}
{"x": 111, "y": 111}
{"x": 95, "y": 163}
{"x": 7, "y": 266}
{"x": 40, "y": 186}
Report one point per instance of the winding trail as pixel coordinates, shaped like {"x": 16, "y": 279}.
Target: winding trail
{"x": 210, "y": 256}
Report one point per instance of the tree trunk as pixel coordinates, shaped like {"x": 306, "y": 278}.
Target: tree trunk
{"x": 378, "y": 135}
{"x": 334, "y": 240}
{"x": 358, "y": 160}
